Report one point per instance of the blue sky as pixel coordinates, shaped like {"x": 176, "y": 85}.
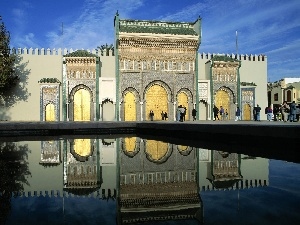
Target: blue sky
{"x": 270, "y": 27}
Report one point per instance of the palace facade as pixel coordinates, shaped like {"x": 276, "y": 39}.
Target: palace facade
{"x": 155, "y": 65}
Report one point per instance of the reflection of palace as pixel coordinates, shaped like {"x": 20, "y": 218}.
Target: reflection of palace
{"x": 155, "y": 66}
{"x": 222, "y": 170}
{"x": 158, "y": 181}
{"x": 146, "y": 180}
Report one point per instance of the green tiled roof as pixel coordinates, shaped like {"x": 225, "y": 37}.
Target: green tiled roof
{"x": 224, "y": 58}
{"x": 157, "y": 27}
{"x": 80, "y": 53}
{"x": 49, "y": 80}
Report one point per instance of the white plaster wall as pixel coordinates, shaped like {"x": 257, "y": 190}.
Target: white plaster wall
{"x": 256, "y": 72}
{"x": 107, "y": 66}
{"x": 39, "y": 66}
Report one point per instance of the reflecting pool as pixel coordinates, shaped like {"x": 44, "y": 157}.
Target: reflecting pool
{"x": 130, "y": 180}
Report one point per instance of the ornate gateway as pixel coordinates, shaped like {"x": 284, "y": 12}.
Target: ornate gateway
{"x": 156, "y": 60}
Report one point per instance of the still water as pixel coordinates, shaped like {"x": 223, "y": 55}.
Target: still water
{"x": 137, "y": 181}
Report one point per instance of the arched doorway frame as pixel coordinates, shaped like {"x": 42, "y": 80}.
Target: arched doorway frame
{"x": 190, "y": 102}
{"x": 71, "y": 101}
{"x": 137, "y": 101}
{"x": 231, "y": 104}
{"x": 169, "y": 98}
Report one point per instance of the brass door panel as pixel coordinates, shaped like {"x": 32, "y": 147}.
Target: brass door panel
{"x": 156, "y": 149}
{"x": 247, "y": 112}
{"x": 157, "y": 100}
{"x": 182, "y": 99}
{"x": 82, "y": 147}
{"x": 222, "y": 99}
{"x": 50, "y": 112}
{"x": 182, "y": 148}
{"x": 130, "y": 144}
{"x": 129, "y": 107}
{"x": 82, "y": 105}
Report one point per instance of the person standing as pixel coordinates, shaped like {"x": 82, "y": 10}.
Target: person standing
{"x": 222, "y": 113}
{"x": 216, "y": 112}
{"x": 162, "y": 115}
{"x": 194, "y": 113}
{"x": 151, "y": 115}
{"x": 165, "y": 115}
{"x": 257, "y": 112}
{"x": 254, "y": 113}
{"x": 237, "y": 114}
{"x": 293, "y": 111}
{"x": 226, "y": 114}
{"x": 285, "y": 110}
{"x": 269, "y": 113}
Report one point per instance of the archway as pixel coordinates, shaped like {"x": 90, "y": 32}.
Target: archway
{"x": 222, "y": 98}
{"x": 129, "y": 107}
{"x": 130, "y": 144}
{"x": 50, "y": 112}
{"x": 108, "y": 110}
{"x": 82, "y": 147}
{"x": 156, "y": 100}
{"x": 246, "y": 112}
{"x": 156, "y": 150}
{"x": 182, "y": 99}
{"x": 82, "y": 105}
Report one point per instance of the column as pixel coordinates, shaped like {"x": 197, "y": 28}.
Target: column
{"x": 141, "y": 105}
{"x": 119, "y": 119}
{"x": 174, "y": 110}
{"x": 67, "y": 110}
{"x": 94, "y": 111}
{"x": 208, "y": 113}
{"x": 100, "y": 112}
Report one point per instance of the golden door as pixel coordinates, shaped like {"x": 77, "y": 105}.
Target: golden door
{"x": 130, "y": 144}
{"x": 246, "y": 112}
{"x": 50, "y": 112}
{"x": 129, "y": 107}
{"x": 82, "y": 105}
{"x": 82, "y": 147}
{"x": 182, "y": 99}
{"x": 157, "y": 100}
{"x": 222, "y": 99}
{"x": 156, "y": 149}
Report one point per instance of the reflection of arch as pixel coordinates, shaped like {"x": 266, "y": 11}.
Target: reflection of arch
{"x": 130, "y": 146}
{"x": 246, "y": 112}
{"x": 50, "y": 112}
{"x": 157, "y": 99}
{"x": 129, "y": 107}
{"x": 157, "y": 151}
{"x": 184, "y": 150}
{"x": 81, "y": 149}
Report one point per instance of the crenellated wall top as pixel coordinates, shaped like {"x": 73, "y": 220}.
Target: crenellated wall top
{"x": 110, "y": 53}
{"x": 59, "y": 51}
{"x": 239, "y": 57}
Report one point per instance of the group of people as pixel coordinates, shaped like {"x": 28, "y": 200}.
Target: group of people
{"x": 286, "y": 112}
{"x": 164, "y": 115}
{"x": 180, "y": 114}
{"x": 283, "y": 112}
{"x": 223, "y": 113}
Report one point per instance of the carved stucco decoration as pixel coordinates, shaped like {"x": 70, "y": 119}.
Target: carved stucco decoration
{"x": 49, "y": 94}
